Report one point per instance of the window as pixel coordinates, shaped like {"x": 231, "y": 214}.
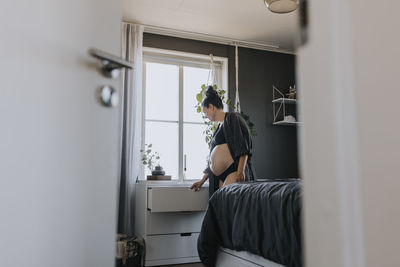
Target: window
{"x": 171, "y": 123}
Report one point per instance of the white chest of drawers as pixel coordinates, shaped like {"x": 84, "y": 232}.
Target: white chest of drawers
{"x": 169, "y": 216}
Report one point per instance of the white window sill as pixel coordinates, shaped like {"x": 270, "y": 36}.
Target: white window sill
{"x": 177, "y": 183}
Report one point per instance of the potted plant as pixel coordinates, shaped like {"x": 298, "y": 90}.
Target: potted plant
{"x": 151, "y": 159}
{"x": 211, "y": 126}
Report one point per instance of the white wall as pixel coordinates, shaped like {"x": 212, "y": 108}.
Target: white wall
{"x": 376, "y": 46}
{"x": 348, "y": 82}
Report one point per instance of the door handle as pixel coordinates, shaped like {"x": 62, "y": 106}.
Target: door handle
{"x": 110, "y": 64}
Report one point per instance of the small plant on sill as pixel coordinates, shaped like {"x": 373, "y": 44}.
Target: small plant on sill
{"x": 150, "y": 157}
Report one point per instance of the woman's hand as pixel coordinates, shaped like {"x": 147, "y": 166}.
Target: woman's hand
{"x": 196, "y": 186}
{"x": 239, "y": 176}
{"x": 234, "y": 177}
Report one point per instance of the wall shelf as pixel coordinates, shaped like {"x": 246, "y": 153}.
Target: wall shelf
{"x": 281, "y": 116}
{"x": 286, "y": 123}
{"x": 285, "y": 100}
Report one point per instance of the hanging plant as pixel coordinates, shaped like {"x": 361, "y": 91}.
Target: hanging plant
{"x": 212, "y": 126}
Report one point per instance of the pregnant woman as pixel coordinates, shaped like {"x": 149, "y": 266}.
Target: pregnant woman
{"x": 231, "y": 146}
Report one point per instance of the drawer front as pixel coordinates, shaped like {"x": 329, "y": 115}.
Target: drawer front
{"x": 160, "y": 247}
{"x": 174, "y": 222}
{"x": 172, "y": 199}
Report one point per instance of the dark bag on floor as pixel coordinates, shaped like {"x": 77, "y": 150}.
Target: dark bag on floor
{"x": 130, "y": 251}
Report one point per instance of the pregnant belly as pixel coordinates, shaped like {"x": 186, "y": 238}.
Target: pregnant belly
{"x": 220, "y": 159}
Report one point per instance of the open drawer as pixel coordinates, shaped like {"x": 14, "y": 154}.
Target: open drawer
{"x": 175, "y": 199}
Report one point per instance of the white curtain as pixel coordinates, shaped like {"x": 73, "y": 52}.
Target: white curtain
{"x": 132, "y": 47}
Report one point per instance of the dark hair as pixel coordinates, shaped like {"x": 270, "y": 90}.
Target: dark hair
{"x": 213, "y": 98}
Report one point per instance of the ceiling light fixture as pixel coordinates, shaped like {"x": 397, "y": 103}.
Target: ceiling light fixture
{"x": 281, "y": 6}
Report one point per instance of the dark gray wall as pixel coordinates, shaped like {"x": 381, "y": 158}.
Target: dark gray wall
{"x": 275, "y": 147}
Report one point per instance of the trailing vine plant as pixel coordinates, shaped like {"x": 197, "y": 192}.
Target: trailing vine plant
{"x": 212, "y": 126}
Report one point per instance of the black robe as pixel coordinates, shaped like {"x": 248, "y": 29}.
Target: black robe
{"x": 237, "y": 136}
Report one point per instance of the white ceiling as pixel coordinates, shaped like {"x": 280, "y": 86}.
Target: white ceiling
{"x": 245, "y": 20}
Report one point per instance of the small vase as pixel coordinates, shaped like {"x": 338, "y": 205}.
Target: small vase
{"x": 158, "y": 170}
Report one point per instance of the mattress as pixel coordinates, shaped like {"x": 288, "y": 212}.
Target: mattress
{"x": 262, "y": 218}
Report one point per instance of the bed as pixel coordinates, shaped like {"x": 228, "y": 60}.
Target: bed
{"x": 253, "y": 224}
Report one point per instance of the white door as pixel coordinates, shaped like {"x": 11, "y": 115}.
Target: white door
{"x": 58, "y": 147}
{"x": 348, "y": 76}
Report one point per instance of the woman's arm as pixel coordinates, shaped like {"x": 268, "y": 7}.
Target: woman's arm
{"x": 241, "y": 166}
{"x": 196, "y": 186}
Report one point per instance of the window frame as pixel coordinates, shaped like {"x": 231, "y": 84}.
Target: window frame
{"x": 180, "y": 59}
